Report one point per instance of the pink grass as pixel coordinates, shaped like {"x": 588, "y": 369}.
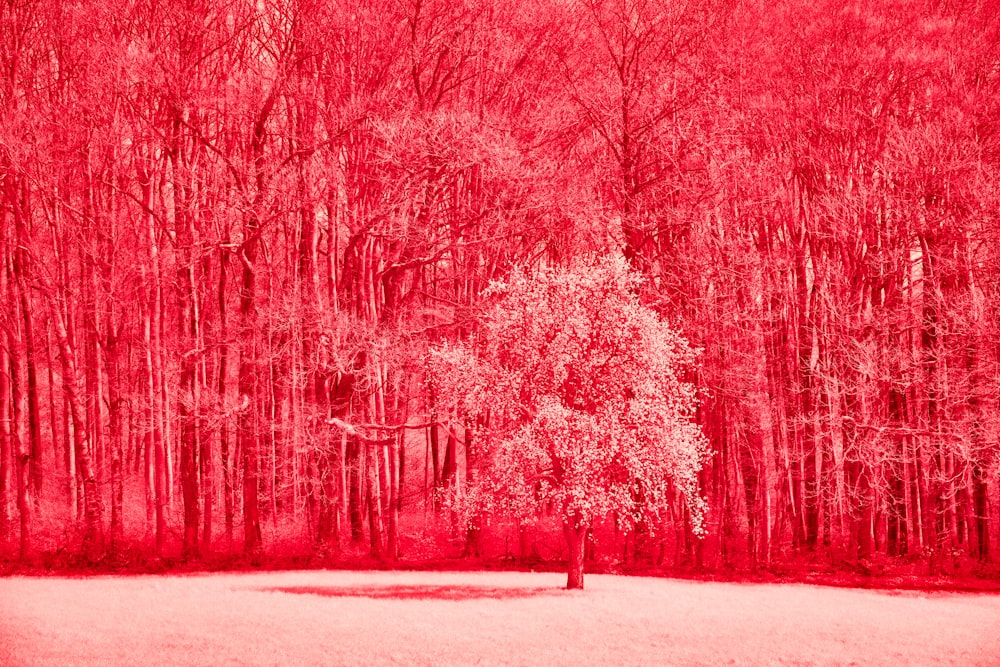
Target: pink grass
{"x": 449, "y": 618}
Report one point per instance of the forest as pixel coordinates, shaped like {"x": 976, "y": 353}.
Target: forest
{"x": 233, "y": 235}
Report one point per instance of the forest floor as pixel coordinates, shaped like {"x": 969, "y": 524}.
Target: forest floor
{"x": 486, "y": 618}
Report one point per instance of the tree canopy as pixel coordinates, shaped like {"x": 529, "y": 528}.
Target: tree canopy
{"x": 581, "y": 395}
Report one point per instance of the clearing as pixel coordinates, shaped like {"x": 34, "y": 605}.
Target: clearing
{"x": 485, "y": 618}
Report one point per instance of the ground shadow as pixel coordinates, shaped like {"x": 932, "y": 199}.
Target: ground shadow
{"x": 416, "y": 592}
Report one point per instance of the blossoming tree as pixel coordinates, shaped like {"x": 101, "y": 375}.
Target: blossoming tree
{"x": 578, "y": 391}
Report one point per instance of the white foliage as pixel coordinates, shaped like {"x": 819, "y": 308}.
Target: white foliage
{"x": 581, "y": 393}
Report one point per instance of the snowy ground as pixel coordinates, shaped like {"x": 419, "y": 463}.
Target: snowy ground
{"x": 442, "y": 618}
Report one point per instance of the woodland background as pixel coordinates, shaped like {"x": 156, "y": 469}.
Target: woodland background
{"x": 230, "y": 231}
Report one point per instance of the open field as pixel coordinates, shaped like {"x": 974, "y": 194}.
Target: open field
{"x": 445, "y": 618}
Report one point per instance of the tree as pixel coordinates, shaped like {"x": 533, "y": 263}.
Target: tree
{"x": 586, "y": 410}
{"x": 639, "y": 73}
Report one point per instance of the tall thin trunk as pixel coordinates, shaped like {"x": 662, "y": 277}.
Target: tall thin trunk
{"x": 392, "y": 471}
{"x": 435, "y": 467}
{"x": 25, "y": 428}
{"x": 224, "y": 453}
{"x": 206, "y": 459}
{"x": 328, "y": 510}
{"x": 980, "y": 503}
{"x": 157, "y": 481}
{"x": 474, "y": 531}
{"x": 21, "y": 449}
{"x": 356, "y": 474}
{"x": 73, "y": 387}
{"x": 116, "y": 434}
{"x": 33, "y": 415}
{"x": 57, "y": 450}
{"x": 153, "y": 514}
{"x": 92, "y": 374}
{"x": 248, "y": 421}
{"x": 189, "y": 406}
{"x": 247, "y": 424}
{"x": 374, "y": 486}
{"x": 6, "y": 434}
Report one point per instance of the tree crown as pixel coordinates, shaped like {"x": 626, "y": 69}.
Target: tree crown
{"x": 580, "y": 392}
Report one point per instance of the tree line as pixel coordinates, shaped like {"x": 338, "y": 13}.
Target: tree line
{"x": 231, "y": 232}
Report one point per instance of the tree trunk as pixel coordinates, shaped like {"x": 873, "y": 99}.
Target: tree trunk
{"x": 248, "y": 386}
{"x": 33, "y": 416}
{"x": 189, "y": 482}
{"x": 375, "y": 523}
{"x": 189, "y": 405}
{"x": 980, "y": 497}
{"x": 575, "y": 532}
{"x": 154, "y": 507}
{"x": 22, "y": 451}
{"x": 116, "y": 434}
{"x": 6, "y": 424}
{"x": 435, "y": 468}
{"x": 355, "y": 471}
{"x": 392, "y": 473}
{"x": 328, "y": 514}
{"x": 249, "y": 365}
{"x": 93, "y": 536}
{"x": 865, "y": 527}
{"x": 18, "y": 444}
{"x": 474, "y": 531}
{"x": 227, "y": 476}
{"x": 207, "y": 485}
{"x": 252, "y": 543}
{"x": 25, "y": 443}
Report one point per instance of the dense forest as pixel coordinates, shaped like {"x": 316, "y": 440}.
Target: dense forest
{"x": 232, "y": 233}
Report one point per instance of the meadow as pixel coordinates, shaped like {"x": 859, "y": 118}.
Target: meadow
{"x": 482, "y": 618}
